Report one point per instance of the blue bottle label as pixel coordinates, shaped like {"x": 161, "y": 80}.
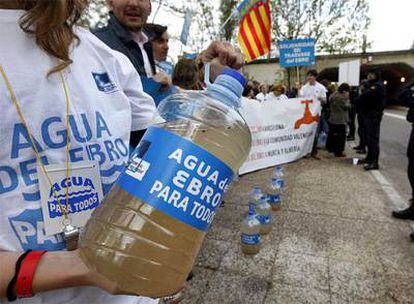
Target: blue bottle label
{"x": 250, "y": 239}
{"x": 176, "y": 177}
{"x": 274, "y": 199}
{"x": 264, "y": 219}
{"x": 278, "y": 183}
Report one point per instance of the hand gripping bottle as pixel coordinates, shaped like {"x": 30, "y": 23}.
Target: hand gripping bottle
{"x": 264, "y": 216}
{"x": 250, "y": 232}
{"x": 146, "y": 234}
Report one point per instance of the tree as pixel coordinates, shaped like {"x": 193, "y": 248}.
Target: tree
{"x": 203, "y": 29}
{"x": 227, "y": 8}
{"x": 338, "y": 26}
{"x": 96, "y": 15}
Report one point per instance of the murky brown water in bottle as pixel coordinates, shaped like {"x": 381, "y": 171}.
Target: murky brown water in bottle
{"x": 145, "y": 251}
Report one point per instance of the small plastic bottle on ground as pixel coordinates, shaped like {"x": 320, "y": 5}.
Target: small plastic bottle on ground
{"x": 250, "y": 232}
{"x": 264, "y": 216}
{"x": 274, "y": 190}
{"x": 279, "y": 172}
{"x": 256, "y": 194}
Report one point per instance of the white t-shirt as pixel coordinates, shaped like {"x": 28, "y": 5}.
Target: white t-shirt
{"x": 107, "y": 101}
{"x": 262, "y": 97}
{"x": 317, "y": 91}
{"x": 281, "y": 97}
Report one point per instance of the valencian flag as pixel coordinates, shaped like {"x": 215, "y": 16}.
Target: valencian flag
{"x": 254, "y": 28}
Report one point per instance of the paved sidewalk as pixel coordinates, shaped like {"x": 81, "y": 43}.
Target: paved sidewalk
{"x": 333, "y": 242}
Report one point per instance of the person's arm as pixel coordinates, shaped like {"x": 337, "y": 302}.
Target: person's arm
{"x": 56, "y": 270}
{"x": 322, "y": 96}
{"x": 301, "y": 92}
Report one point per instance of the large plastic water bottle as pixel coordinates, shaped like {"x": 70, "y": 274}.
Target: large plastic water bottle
{"x": 147, "y": 232}
{"x": 264, "y": 216}
{"x": 250, "y": 232}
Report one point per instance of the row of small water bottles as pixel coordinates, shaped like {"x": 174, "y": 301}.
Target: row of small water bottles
{"x": 259, "y": 219}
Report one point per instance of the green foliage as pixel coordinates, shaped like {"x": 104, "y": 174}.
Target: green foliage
{"x": 226, "y": 8}
{"x": 96, "y": 15}
{"x": 339, "y": 26}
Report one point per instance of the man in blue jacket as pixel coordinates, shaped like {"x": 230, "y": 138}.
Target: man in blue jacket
{"x": 125, "y": 34}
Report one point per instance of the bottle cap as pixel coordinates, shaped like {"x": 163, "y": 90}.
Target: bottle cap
{"x": 236, "y": 75}
{"x": 228, "y": 88}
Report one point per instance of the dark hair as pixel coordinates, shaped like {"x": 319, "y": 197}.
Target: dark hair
{"x": 344, "y": 88}
{"x": 313, "y": 73}
{"x": 155, "y": 30}
{"x": 185, "y": 75}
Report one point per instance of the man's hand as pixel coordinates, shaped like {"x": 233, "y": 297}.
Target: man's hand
{"x": 227, "y": 55}
{"x": 221, "y": 55}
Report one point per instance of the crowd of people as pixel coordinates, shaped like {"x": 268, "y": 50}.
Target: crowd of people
{"x": 340, "y": 107}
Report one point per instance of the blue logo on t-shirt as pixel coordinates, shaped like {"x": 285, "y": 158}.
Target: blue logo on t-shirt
{"x": 104, "y": 83}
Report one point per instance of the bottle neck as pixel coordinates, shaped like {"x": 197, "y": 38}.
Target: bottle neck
{"x": 226, "y": 89}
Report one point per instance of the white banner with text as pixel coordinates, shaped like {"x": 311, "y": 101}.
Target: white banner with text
{"x": 282, "y": 131}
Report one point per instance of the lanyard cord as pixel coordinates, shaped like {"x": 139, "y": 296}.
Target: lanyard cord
{"x": 65, "y": 211}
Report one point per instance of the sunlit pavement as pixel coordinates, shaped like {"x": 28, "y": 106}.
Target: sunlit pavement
{"x": 333, "y": 242}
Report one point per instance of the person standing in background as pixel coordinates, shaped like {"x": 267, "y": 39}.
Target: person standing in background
{"x": 264, "y": 92}
{"x": 294, "y": 92}
{"x": 353, "y": 95}
{"x": 361, "y": 148}
{"x": 278, "y": 93}
{"x": 339, "y": 106}
{"x": 317, "y": 91}
{"x": 125, "y": 33}
{"x": 372, "y": 102}
{"x": 185, "y": 75}
{"x": 160, "y": 46}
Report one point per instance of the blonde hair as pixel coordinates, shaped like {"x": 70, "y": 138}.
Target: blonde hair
{"x": 51, "y": 23}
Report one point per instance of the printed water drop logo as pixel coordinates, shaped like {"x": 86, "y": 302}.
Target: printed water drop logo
{"x": 83, "y": 196}
{"x": 104, "y": 83}
{"x": 138, "y": 167}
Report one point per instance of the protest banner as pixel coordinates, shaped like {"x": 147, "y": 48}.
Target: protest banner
{"x": 282, "y": 131}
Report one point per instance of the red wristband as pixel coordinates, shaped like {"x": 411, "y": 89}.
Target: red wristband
{"x": 26, "y": 274}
